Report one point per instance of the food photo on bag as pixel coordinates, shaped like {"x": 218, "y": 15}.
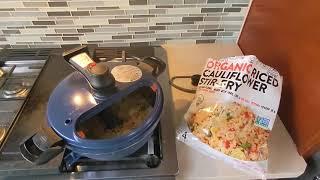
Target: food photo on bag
{"x": 233, "y": 112}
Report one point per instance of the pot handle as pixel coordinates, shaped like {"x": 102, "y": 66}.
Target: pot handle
{"x": 157, "y": 64}
{"x": 42, "y": 146}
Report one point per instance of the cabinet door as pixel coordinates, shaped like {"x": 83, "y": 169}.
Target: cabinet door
{"x": 285, "y": 34}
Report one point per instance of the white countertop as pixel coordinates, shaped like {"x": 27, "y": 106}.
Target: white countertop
{"x": 284, "y": 161}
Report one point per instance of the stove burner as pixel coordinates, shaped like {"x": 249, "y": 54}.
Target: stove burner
{"x": 15, "y": 91}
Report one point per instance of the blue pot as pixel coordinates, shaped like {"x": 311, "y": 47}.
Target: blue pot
{"x": 64, "y": 113}
{"x": 90, "y": 102}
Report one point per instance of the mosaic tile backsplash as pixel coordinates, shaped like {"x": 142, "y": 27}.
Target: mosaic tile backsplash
{"x": 57, "y": 23}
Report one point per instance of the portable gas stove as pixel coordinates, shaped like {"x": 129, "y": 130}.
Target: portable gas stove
{"x": 157, "y": 158}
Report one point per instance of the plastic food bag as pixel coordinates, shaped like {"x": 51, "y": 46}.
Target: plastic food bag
{"x": 233, "y": 112}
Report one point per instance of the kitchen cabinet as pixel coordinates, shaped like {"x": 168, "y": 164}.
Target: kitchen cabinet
{"x": 285, "y": 35}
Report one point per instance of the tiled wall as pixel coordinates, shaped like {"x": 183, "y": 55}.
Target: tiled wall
{"x": 36, "y": 23}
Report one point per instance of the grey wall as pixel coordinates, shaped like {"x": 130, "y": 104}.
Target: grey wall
{"x": 50, "y": 23}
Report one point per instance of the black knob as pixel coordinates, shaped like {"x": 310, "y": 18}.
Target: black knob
{"x": 195, "y": 79}
{"x": 99, "y": 76}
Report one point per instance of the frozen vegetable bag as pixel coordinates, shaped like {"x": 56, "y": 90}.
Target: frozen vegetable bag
{"x": 233, "y": 112}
